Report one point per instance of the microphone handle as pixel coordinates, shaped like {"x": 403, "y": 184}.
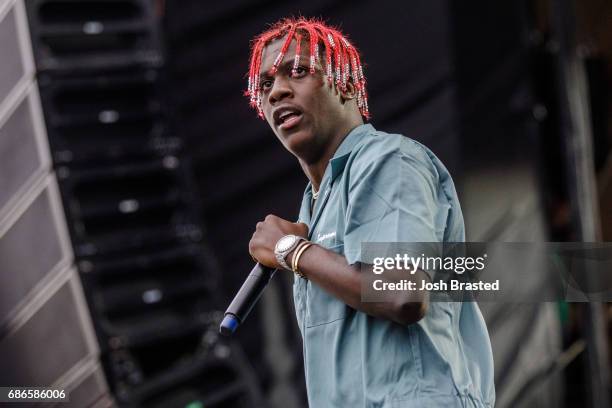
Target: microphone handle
{"x": 246, "y": 298}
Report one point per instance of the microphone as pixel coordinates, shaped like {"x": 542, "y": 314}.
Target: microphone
{"x": 245, "y": 299}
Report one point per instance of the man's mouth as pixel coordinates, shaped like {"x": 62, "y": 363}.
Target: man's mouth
{"x": 287, "y": 117}
{"x": 289, "y": 120}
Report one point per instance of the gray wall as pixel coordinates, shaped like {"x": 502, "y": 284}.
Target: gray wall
{"x": 46, "y": 336}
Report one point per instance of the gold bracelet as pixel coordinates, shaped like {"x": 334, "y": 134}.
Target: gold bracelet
{"x": 297, "y": 260}
{"x": 295, "y": 251}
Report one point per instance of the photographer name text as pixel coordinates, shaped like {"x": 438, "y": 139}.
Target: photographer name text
{"x": 439, "y": 286}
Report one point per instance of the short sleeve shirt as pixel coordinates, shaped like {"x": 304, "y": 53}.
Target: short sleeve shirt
{"x": 383, "y": 187}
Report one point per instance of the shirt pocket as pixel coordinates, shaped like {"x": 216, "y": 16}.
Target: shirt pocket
{"x": 322, "y": 307}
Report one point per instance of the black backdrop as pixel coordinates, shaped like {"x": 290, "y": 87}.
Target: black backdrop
{"x": 243, "y": 171}
{"x": 456, "y": 77}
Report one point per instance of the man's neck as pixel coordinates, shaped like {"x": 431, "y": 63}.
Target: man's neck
{"x": 315, "y": 170}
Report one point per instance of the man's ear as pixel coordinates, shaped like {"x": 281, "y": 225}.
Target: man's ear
{"x": 349, "y": 93}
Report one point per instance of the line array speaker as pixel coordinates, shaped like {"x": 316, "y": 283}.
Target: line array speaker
{"x": 132, "y": 208}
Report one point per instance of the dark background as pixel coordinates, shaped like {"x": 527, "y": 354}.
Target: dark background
{"x": 133, "y": 172}
{"x": 473, "y": 81}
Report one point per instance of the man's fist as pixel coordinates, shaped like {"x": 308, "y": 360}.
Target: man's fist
{"x": 266, "y": 235}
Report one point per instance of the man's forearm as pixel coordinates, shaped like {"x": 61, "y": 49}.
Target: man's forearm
{"x": 331, "y": 272}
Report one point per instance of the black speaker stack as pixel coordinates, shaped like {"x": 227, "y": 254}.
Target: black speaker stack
{"x": 133, "y": 212}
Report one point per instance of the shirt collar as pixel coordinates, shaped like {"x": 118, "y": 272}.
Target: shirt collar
{"x": 338, "y": 161}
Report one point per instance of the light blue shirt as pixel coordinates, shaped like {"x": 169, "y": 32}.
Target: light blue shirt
{"x": 381, "y": 187}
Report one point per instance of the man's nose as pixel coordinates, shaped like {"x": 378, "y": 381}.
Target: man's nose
{"x": 280, "y": 90}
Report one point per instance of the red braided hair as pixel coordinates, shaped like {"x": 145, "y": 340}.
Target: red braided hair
{"x": 342, "y": 60}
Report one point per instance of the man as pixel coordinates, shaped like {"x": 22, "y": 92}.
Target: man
{"x": 307, "y": 82}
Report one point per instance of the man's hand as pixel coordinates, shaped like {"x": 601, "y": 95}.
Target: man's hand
{"x": 266, "y": 235}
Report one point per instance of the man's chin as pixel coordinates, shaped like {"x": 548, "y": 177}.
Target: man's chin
{"x": 299, "y": 142}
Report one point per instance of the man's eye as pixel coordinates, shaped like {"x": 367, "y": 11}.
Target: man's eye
{"x": 300, "y": 71}
{"x": 267, "y": 84}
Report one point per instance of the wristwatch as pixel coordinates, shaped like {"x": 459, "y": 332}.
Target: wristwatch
{"x": 285, "y": 245}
